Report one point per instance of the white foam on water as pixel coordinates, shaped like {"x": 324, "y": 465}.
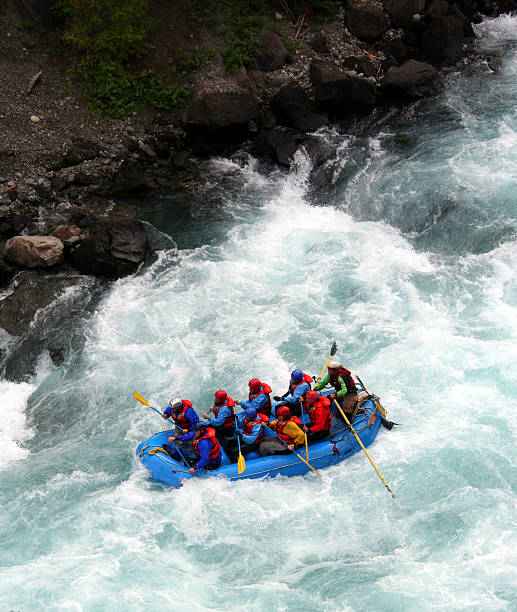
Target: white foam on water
{"x": 14, "y": 430}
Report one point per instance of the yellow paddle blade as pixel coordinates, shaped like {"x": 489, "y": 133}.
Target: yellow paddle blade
{"x": 141, "y": 399}
{"x": 241, "y": 464}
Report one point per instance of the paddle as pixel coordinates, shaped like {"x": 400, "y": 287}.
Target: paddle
{"x": 284, "y": 442}
{"x": 333, "y": 350}
{"x": 362, "y": 446}
{"x": 142, "y": 400}
{"x": 241, "y": 464}
{"x": 304, "y": 433}
{"x": 383, "y": 412}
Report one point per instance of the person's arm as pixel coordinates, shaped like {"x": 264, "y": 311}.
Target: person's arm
{"x": 323, "y": 383}
{"x": 167, "y": 412}
{"x": 191, "y": 416}
{"x": 217, "y": 421}
{"x": 343, "y": 391}
{"x": 252, "y": 437}
{"x": 299, "y": 392}
{"x": 257, "y": 402}
{"x": 185, "y": 437}
{"x": 203, "y": 449}
{"x": 294, "y": 432}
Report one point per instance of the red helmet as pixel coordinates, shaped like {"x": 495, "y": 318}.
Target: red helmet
{"x": 283, "y": 411}
{"x": 311, "y": 395}
{"x": 220, "y": 396}
{"x": 254, "y": 384}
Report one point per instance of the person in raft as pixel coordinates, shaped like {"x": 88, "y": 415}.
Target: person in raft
{"x": 287, "y": 429}
{"x": 258, "y": 398}
{"x": 206, "y": 448}
{"x": 299, "y": 384}
{"x": 223, "y": 419}
{"x": 346, "y": 391}
{"x": 249, "y": 428}
{"x": 318, "y": 409}
{"x": 185, "y": 418}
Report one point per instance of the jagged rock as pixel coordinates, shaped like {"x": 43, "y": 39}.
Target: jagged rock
{"x": 219, "y": 116}
{"x": 79, "y": 151}
{"x": 6, "y": 273}
{"x": 442, "y": 41}
{"x": 397, "y": 49}
{"x": 66, "y": 233}
{"x": 12, "y": 225}
{"x": 339, "y": 92}
{"x": 293, "y": 108}
{"x": 412, "y": 80}
{"x": 401, "y": 11}
{"x": 215, "y": 107}
{"x": 366, "y": 21}
{"x": 279, "y": 143}
{"x": 360, "y": 64}
{"x": 34, "y": 251}
{"x": 131, "y": 178}
{"x": 319, "y": 44}
{"x": 272, "y": 53}
{"x": 13, "y": 194}
{"x": 113, "y": 249}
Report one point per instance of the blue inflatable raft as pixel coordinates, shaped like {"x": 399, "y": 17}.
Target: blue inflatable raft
{"x": 340, "y": 445}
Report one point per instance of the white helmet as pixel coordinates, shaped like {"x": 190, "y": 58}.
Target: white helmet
{"x": 175, "y": 403}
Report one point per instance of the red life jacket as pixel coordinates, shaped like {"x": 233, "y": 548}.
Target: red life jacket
{"x": 247, "y": 427}
{"x": 321, "y": 419}
{"x": 306, "y": 379}
{"x": 229, "y": 421}
{"x": 179, "y": 418}
{"x": 215, "y": 451}
{"x": 280, "y": 429}
{"x": 266, "y": 389}
{"x": 347, "y": 377}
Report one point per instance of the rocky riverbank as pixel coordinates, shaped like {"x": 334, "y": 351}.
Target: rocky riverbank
{"x": 64, "y": 172}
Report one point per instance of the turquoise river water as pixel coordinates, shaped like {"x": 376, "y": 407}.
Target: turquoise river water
{"x": 404, "y": 251}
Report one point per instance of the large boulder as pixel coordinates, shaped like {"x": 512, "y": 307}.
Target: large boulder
{"x": 34, "y": 251}
{"x": 279, "y": 143}
{"x": 79, "y": 150}
{"x": 272, "y": 53}
{"x": 412, "y": 80}
{"x": 130, "y": 179}
{"x": 114, "y": 248}
{"x": 218, "y": 116}
{"x": 215, "y": 105}
{"x": 293, "y": 108}
{"x": 366, "y": 21}
{"x": 401, "y": 11}
{"x": 339, "y": 92}
{"x": 442, "y": 41}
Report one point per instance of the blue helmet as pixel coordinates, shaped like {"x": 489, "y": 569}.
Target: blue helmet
{"x": 200, "y": 425}
{"x": 296, "y": 375}
{"x": 251, "y": 413}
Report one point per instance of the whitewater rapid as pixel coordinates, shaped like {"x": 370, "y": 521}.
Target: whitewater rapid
{"x": 408, "y": 261}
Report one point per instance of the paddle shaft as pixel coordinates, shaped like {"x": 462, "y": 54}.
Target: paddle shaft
{"x": 383, "y": 412}
{"x": 333, "y": 350}
{"x": 284, "y": 442}
{"x": 241, "y": 464}
{"x": 362, "y": 446}
{"x": 305, "y": 433}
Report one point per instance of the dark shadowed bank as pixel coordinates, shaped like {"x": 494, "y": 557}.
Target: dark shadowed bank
{"x": 64, "y": 171}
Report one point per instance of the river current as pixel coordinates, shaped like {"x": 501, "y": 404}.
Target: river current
{"x": 402, "y": 247}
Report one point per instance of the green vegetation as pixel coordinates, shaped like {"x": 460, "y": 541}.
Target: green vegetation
{"x": 109, "y": 34}
{"x": 247, "y": 18}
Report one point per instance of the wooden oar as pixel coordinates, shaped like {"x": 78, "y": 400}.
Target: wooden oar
{"x": 142, "y": 400}
{"x": 284, "y": 442}
{"x": 362, "y": 446}
{"x": 241, "y": 464}
{"x": 333, "y": 350}
{"x": 383, "y": 412}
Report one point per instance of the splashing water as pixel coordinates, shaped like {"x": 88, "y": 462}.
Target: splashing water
{"x": 411, "y": 269}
